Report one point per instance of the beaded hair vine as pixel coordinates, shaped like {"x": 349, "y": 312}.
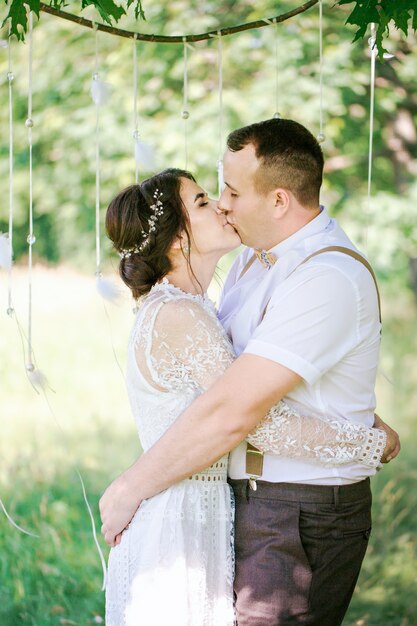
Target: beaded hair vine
{"x": 157, "y": 209}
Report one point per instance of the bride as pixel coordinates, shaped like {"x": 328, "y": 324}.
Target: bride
{"x": 173, "y": 564}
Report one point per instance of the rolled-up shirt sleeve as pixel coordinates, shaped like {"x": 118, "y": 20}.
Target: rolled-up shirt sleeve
{"x": 311, "y": 321}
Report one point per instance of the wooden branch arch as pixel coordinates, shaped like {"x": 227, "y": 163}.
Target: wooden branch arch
{"x": 176, "y": 38}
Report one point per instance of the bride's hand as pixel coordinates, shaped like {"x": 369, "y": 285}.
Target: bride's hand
{"x": 393, "y": 445}
{"x": 118, "y": 504}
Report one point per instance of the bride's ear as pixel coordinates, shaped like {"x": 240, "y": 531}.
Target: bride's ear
{"x": 177, "y": 244}
{"x": 180, "y": 244}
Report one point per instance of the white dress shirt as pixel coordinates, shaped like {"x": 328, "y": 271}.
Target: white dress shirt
{"x": 322, "y": 322}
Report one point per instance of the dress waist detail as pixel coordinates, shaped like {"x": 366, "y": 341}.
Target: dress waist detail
{"x": 215, "y": 473}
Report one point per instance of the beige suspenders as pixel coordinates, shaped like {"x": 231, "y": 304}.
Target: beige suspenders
{"x": 247, "y": 266}
{"x": 254, "y": 457}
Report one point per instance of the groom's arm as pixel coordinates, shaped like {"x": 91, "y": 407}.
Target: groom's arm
{"x": 214, "y": 424}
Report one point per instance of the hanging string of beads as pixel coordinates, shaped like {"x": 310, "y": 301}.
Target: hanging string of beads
{"x": 135, "y": 111}
{"x": 9, "y": 261}
{"x": 321, "y": 136}
{"x": 277, "y": 114}
{"x": 31, "y": 239}
{"x": 185, "y": 114}
{"x": 97, "y": 94}
{"x": 220, "y": 177}
{"x": 373, "y": 54}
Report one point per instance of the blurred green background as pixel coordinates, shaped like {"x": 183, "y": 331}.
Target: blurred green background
{"x": 85, "y": 421}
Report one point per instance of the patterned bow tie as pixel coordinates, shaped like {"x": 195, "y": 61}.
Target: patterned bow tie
{"x": 268, "y": 259}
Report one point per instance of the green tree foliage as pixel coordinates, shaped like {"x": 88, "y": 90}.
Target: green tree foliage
{"x": 64, "y": 115}
{"x": 400, "y": 13}
{"x": 108, "y": 10}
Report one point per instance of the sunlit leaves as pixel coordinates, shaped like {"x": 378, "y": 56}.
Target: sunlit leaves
{"x": 109, "y": 11}
{"x": 18, "y": 12}
{"x": 402, "y": 14}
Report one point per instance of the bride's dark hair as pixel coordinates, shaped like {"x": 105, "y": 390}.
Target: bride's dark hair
{"x": 127, "y": 220}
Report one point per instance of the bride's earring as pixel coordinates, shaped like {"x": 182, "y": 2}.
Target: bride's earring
{"x": 186, "y": 248}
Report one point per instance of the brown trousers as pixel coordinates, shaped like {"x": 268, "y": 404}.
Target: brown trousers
{"x": 299, "y": 549}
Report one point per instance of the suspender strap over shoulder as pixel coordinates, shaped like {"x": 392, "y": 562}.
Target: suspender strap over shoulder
{"x": 343, "y": 250}
{"x": 354, "y": 255}
{"x": 254, "y": 457}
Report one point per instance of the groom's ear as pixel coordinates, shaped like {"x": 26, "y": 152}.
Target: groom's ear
{"x": 282, "y": 202}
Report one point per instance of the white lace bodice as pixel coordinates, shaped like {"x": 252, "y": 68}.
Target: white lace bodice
{"x": 178, "y": 348}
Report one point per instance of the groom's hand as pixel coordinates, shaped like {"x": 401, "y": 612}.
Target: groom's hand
{"x": 117, "y": 505}
{"x": 393, "y": 445}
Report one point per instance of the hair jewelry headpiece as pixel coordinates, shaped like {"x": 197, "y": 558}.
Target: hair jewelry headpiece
{"x": 157, "y": 209}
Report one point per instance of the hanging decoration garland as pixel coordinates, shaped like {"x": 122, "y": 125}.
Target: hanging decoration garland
{"x": 100, "y": 95}
{"x": 143, "y": 153}
{"x": 277, "y": 114}
{"x": 220, "y": 177}
{"x": 373, "y": 53}
{"x": 135, "y": 111}
{"x": 6, "y": 240}
{"x": 10, "y": 79}
{"x": 185, "y": 114}
{"x": 31, "y": 239}
{"x": 6, "y": 243}
{"x": 35, "y": 376}
{"x": 321, "y": 136}
{"x": 274, "y": 23}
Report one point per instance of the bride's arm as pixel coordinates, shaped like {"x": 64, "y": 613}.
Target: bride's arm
{"x": 285, "y": 432}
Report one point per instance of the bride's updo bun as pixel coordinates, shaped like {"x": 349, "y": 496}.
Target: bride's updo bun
{"x": 129, "y": 223}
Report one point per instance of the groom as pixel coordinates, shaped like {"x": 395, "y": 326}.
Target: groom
{"x": 306, "y": 327}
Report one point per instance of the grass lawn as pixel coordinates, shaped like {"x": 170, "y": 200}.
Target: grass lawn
{"x": 84, "y": 422}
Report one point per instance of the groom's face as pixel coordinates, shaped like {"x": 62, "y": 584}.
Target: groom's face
{"x": 248, "y": 211}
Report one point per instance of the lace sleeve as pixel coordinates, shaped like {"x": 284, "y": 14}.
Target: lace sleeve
{"x": 182, "y": 346}
{"x": 330, "y": 442}
{"x": 187, "y": 348}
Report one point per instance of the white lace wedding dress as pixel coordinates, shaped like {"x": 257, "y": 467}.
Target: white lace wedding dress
{"x": 174, "y": 565}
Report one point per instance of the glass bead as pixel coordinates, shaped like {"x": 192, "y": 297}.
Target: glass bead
{"x": 185, "y": 115}
{"x": 29, "y": 123}
{"x": 321, "y": 137}
{"x": 31, "y": 239}
{"x": 277, "y": 115}
{"x": 10, "y": 312}
{"x": 95, "y": 76}
{"x": 30, "y": 367}
{"x": 10, "y": 77}
{"x": 136, "y": 134}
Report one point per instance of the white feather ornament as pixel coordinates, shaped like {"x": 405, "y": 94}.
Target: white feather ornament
{"x": 100, "y": 91}
{"x": 5, "y": 252}
{"x": 144, "y": 155}
{"x": 107, "y": 289}
{"x": 38, "y": 379}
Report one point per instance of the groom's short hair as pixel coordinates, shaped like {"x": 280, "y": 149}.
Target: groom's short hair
{"x": 290, "y": 157}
